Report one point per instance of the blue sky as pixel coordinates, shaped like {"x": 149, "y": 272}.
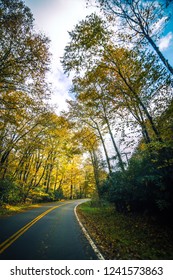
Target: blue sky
{"x": 167, "y": 39}
{"x": 55, "y": 18}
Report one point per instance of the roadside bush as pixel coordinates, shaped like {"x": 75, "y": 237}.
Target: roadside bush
{"x": 38, "y": 196}
{"x": 146, "y": 185}
{"x": 58, "y": 194}
{"x": 9, "y": 192}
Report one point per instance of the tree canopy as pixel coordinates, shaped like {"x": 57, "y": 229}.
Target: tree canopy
{"x": 143, "y": 20}
{"x": 24, "y": 54}
{"x": 121, "y": 93}
{"x": 40, "y": 156}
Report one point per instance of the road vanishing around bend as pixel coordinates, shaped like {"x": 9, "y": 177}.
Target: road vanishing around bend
{"x": 50, "y": 232}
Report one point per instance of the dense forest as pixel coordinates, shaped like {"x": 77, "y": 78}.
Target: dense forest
{"x": 40, "y": 156}
{"x": 115, "y": 141}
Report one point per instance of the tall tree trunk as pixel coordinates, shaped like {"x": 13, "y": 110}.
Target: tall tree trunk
{"x": 115, "y": 147}
{"x": 104, "y": 147}
{"x": 145, "y": 110}
{"x": 71, "y": 190}
{"x": 113, "y": 140}
{"x": 56, "y": 178}
{"x": 163, "y": 59}
{"x": 141, "y": 23}
{"x": 95, "y": 169}
{"x": 144, "y": 127}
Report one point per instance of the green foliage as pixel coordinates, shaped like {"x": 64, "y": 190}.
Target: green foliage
{"x": 38, "y": 196}
{"x": 117, "y": 86}
{"x": 88, "y": 37}
{"x": 24, "y": 54}
{"x": 9, "y": 192}
{"x": 58, "y": 194}
{"x": 146, "y": 185}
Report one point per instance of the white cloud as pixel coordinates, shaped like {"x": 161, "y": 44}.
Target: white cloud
{"x": 60, "y": 86}
{"x": 55, "y": 18}
{"x": 165, "y": 41}
{"x": 159, "y": 25}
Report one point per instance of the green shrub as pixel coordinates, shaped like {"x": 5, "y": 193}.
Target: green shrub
{"x": 58, "y": 194}
{"x": 146, "y": 185}
{"x": 9, "y": 192}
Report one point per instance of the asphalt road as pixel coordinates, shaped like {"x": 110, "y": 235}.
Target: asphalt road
{"x": 50, "y": 232}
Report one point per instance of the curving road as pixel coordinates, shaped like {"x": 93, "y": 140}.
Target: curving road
{"x": 50, "y": 232}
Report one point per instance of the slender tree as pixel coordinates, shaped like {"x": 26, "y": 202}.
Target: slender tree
{"x": 142, "y": 18}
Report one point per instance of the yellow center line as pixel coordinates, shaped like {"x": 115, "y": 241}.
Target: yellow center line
{"x": 15, "y": 236}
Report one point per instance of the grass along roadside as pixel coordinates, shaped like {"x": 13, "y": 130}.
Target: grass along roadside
{"x": 8, "y": 210}
{"x": 120, "y": 236}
